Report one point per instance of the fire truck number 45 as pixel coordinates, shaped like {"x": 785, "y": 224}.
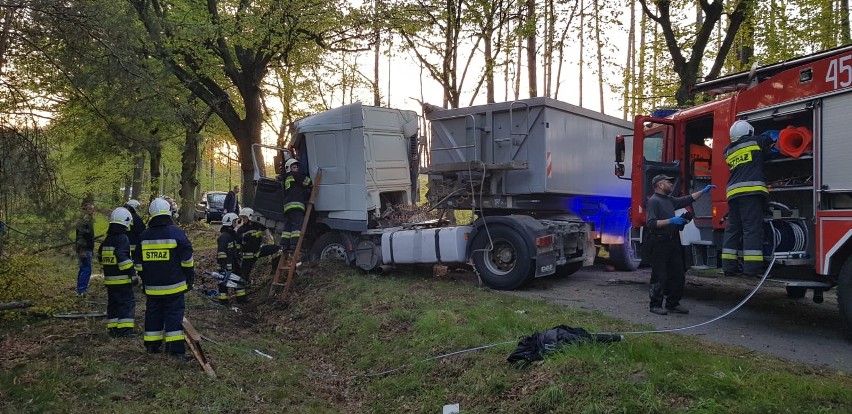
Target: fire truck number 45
{"x": 839, "y": 72}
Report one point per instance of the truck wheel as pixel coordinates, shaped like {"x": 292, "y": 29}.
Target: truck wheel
{"x": 844, "y": 296}
{"x": 502, "y": 261}
{"x": 625, "y": 256}
{"x": 796, "y": 292}
{"x": 329, "y": 246}
{"x": 569, "y": 269}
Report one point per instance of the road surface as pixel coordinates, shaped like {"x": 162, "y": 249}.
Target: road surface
{"x": 793, "y": 329}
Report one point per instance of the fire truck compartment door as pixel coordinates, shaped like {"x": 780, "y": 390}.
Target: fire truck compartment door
{"x": 836, "y": 139}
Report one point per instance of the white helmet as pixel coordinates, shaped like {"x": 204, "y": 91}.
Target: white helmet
{"x": 246, "y": 211}
{"x": 289, "y": 162}
{"x": 741, "y": 128}
{"x": 121, "y": 216}
{"x": 133, "y": 203}
{"x": 160, "y": 207}
{"x": 228, "y": 220}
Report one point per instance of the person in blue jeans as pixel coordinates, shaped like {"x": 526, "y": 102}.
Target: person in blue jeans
{"x": 85, "y": 245}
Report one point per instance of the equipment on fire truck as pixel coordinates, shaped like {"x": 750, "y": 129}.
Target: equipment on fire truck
{"x": 793, "y": 141}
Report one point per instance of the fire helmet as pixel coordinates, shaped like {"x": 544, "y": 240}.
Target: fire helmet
{"x": 160, "y": 207}
{"x": 741, "y": 128}
{"x": 121, "y": 216}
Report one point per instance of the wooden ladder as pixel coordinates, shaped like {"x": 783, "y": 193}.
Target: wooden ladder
{"x": 296, "y": 254}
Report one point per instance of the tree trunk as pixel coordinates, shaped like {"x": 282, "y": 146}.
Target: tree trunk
{"x": 630, "y": 64}
{"x": 154, "y": 166}
{"x": 532, "y": 67}
{"x": 600, "y": 46}
{"x": 487, "y": 36}
{"x": 845, "y": 35}
{"x": 581, "y": 63}
{"x": 377, "y": 38}
{"x": 189, "y": 161}
{"x": 138, "y": 172}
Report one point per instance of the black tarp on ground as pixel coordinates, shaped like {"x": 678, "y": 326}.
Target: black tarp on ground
{"x": 535, "y": 346}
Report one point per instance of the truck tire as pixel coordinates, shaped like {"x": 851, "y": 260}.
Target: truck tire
{"x": 329, "y": 246}
{"x": 569, "y": 269}
{"x": 625, "y": 256}
{"x": 503, "y": 261}
{"x": 844, "y": 296}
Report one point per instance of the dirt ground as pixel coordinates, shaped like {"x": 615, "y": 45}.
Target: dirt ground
{"x": 793, "y": 329}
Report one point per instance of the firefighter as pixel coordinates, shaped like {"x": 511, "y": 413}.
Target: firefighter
{"x": 747, "y": 197}
{"x": 250, "y": 236}
{"x": 667, "y": 278}
{"x": 297, "y": 189}
{"x": 138, "y": 225}
{"x": 228, "y": 258}
{"x": 164, "y": 261}
{"x": 119, "y": 274}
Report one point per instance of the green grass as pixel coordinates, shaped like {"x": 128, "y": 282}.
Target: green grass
{"x": 340, "y": 326}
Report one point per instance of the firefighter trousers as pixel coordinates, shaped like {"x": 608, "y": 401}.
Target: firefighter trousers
{"x": 246, "y": 266}
{"x": 293, "y": 219}
{"x": 121, "y": 309}
{"x": 744, "y": 234}
{"x": 164, "y": 323}
{"x": 667, "y": 274}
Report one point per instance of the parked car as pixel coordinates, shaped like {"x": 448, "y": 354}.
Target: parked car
{"x": 211, "y": 207}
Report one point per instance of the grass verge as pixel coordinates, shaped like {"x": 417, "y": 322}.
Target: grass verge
{"x": 340, "y": 327}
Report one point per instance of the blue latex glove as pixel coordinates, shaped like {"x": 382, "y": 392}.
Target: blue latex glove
{"x": 707, "y": 189}
{"x": 677, "y": 221}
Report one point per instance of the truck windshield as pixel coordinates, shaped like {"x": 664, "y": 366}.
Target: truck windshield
{"x": 652, "y": 147}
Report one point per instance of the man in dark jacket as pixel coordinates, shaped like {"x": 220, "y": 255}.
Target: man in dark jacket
{"x": 85, "y": 245}
{"x": 297, "y": 190}
{"x": 232, "y": 201}
{"x": 164, "y": 261}
{"x": 667, "y": 278}
{"x": 747, "y": 197}
{"x": 114, "y": 255}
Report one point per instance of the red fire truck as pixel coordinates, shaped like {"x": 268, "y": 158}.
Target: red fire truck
{"x": 808, "y": 227}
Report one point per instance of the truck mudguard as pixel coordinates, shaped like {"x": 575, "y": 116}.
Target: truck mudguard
{"x": 528, "y": 227}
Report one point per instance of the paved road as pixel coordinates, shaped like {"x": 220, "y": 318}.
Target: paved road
{"x": 793, "y": 329}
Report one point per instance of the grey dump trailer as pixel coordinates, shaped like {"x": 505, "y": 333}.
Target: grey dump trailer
{"x": 536, "y": 173}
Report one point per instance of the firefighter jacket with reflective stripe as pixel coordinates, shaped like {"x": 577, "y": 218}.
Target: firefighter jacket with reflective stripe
{"x": 228, "y": 250}
{"x": 164, "y": 258}
{"x": 136, "y": 229}
{"x": 745, "y": 159}
{"x": 114, "y": 255}
{"x": 297, "y": 189}
{"x": 250, "y": 236}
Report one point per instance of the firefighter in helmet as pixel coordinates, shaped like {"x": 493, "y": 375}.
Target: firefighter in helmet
{"x": 297, "y": 190}
{"x": 747, "y": 197}
{"x": 250, "y": 236}
{"x": 119, "y": 274}
{"x": 164, "y": 261}
{"x": 228, "y": 258}
{"x": 138, "y": 225}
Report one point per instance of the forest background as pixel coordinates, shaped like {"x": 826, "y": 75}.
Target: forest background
{"x": 139, "y": 98}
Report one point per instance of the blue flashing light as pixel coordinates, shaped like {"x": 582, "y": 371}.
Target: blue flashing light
{"x": 663, "y": 112}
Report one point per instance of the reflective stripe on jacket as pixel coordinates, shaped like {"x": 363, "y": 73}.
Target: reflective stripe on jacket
{"x": 114, "y": 255}
{"x": 745, "y": 159}
{"x": 165, "y": 259}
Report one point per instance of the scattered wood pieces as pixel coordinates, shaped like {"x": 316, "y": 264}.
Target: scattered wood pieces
{"x": 16, "y": 305}
{"x": 78, "y": 315}
{"x": 193, "y": 341}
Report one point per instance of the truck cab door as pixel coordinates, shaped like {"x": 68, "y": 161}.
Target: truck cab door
{"x": 654, "y": 152}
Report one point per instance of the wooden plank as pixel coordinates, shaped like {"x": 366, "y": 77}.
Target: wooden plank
{"x": 193, "y": 342}
{"x": 16, "y": 305}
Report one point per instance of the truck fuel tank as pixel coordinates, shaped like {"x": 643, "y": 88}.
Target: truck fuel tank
{"x": 437, "y": 245}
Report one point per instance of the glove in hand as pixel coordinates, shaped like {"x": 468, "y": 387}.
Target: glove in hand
{"x": 707, "y": 189}
{"x": 677, "y": 221}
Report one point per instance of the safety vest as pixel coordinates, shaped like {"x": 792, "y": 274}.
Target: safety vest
{"x": 164, "y": 259}
{"x": 745, "y": 159}
{"x": 114, "y": 255}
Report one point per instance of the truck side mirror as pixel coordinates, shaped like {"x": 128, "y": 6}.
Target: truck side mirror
{"x": 619, "y": 170}
{"x": 619, "y": 148}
